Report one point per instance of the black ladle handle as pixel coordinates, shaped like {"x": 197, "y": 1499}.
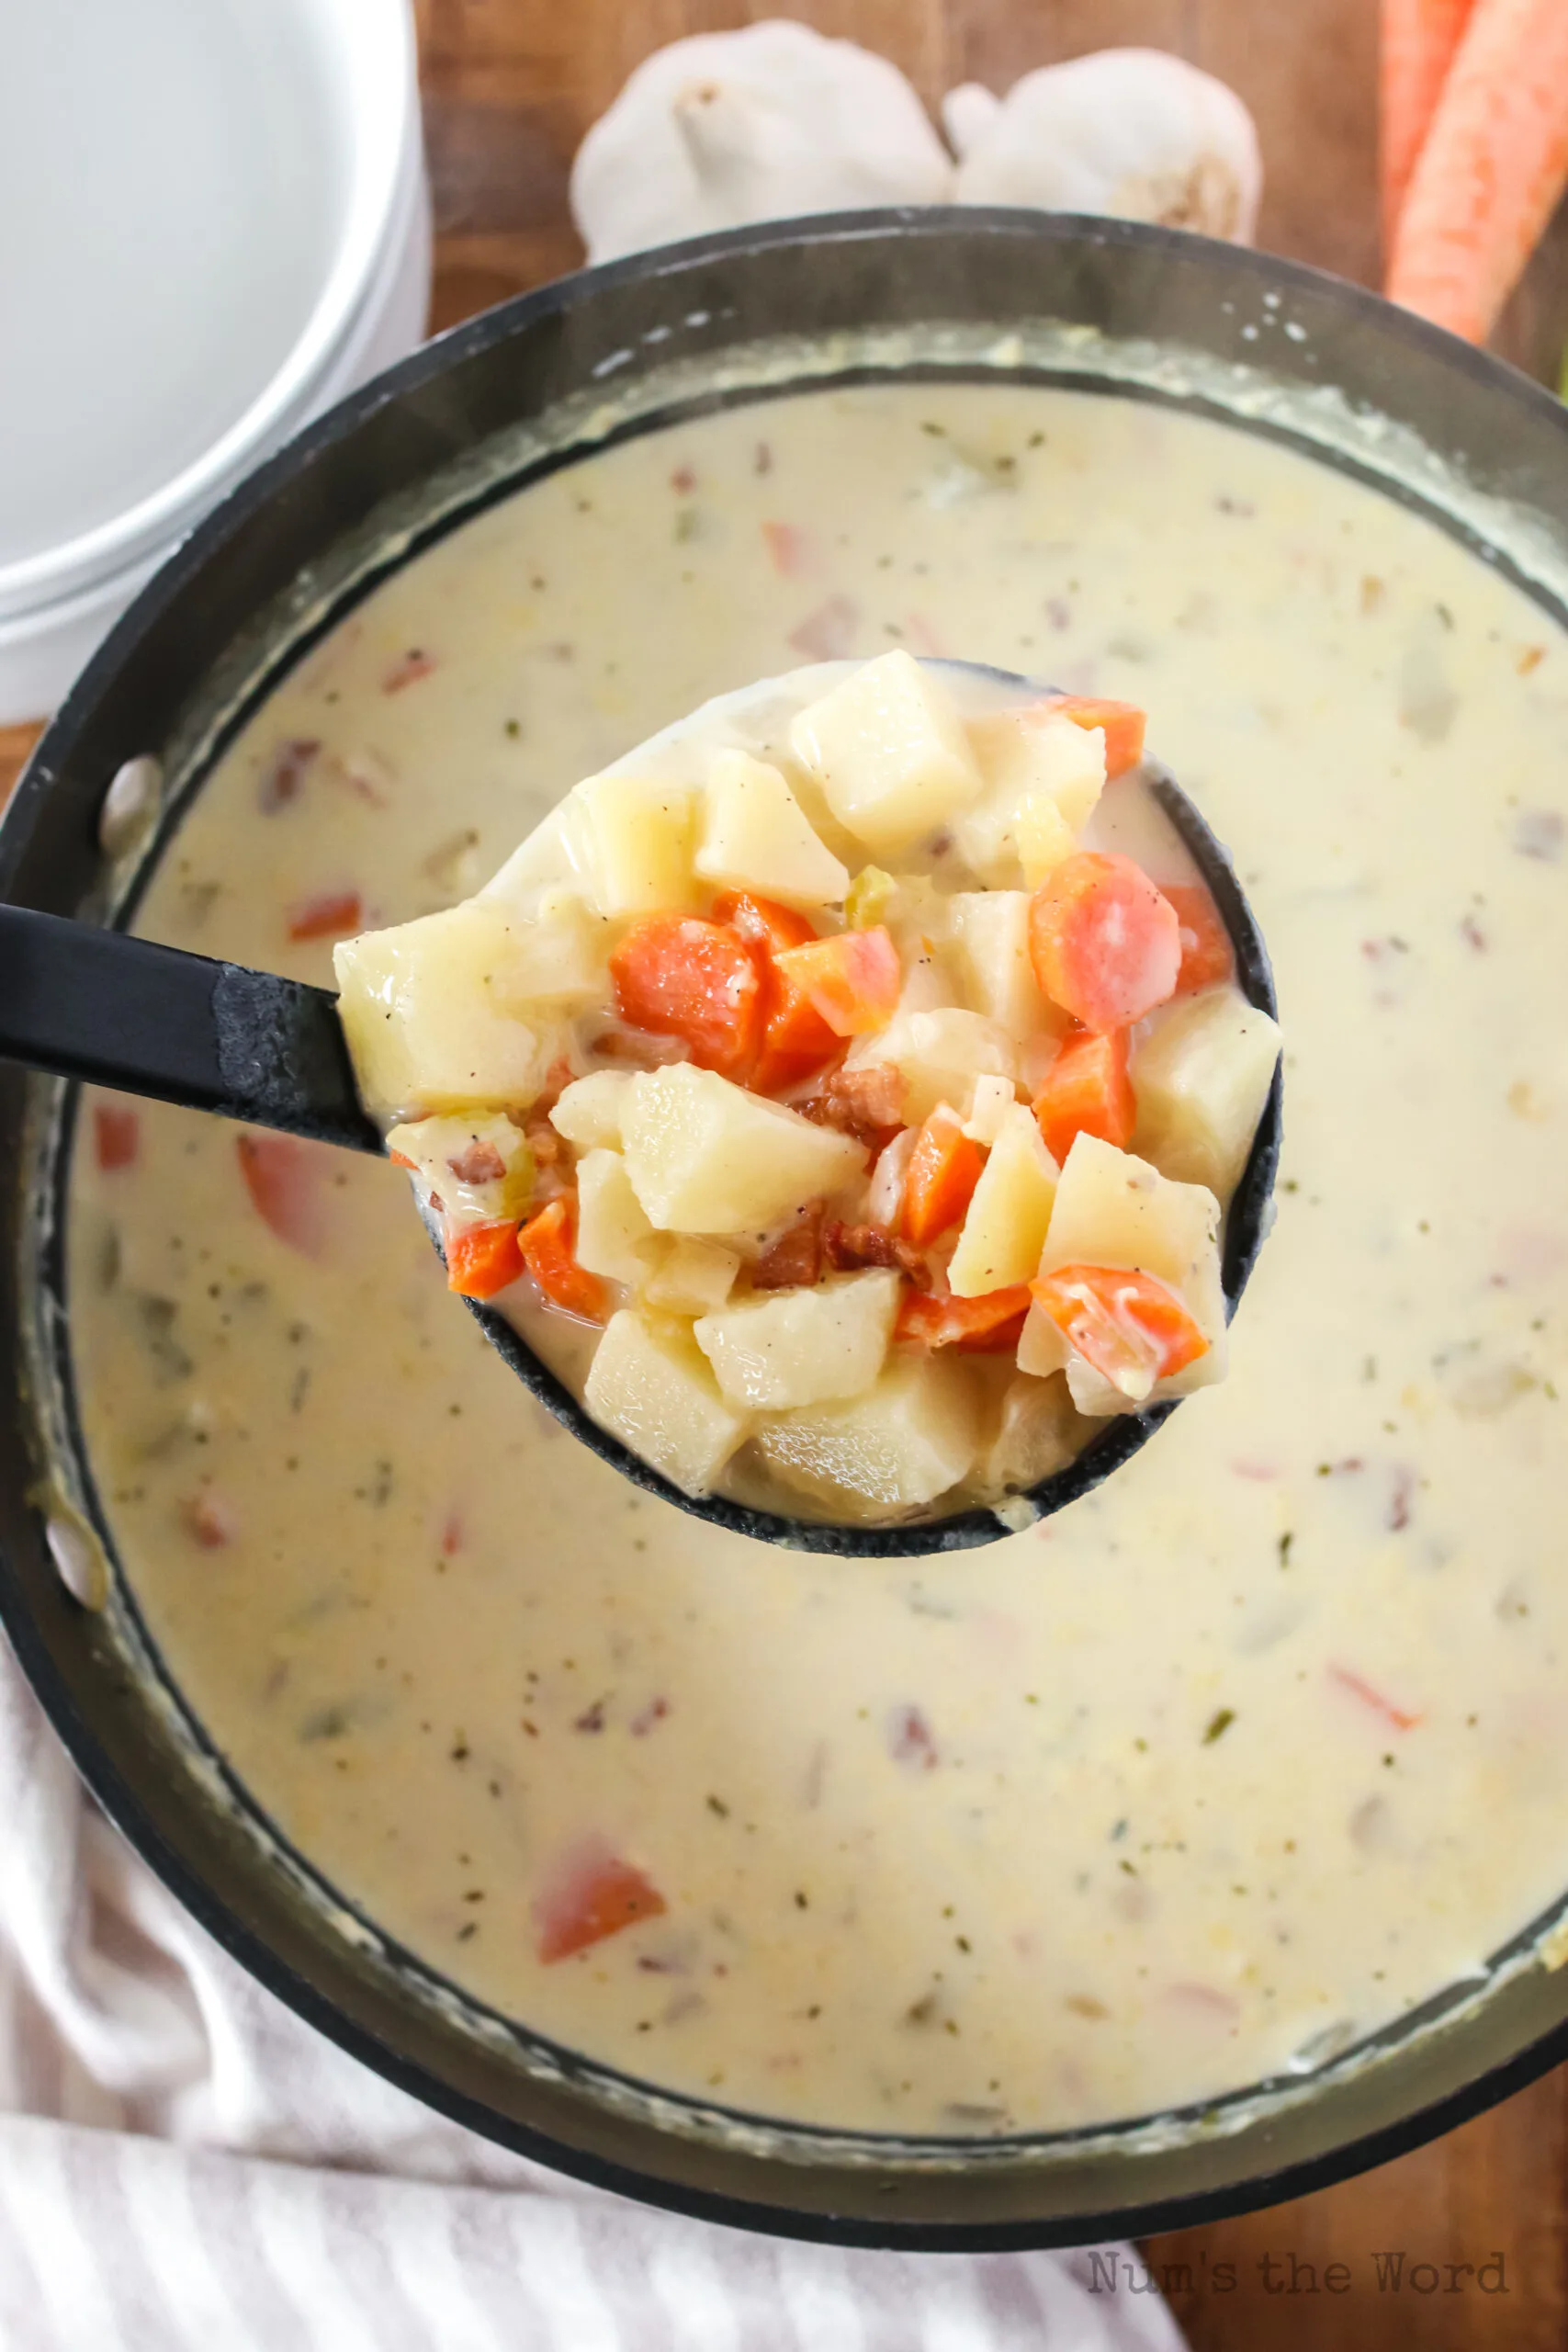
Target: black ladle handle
{"x": 122, "y": 1011}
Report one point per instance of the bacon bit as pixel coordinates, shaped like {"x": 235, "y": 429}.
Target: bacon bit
{"x": 828, "y": 633}
{"x": 478, "y": 1163}
{"x": 548, "y": 1147}
{"x": 640, "y": 1047}
{"x": 282, "y": 1177}
{"x": 684, "y": 480}
{"x": 1262, "y": 1471}
{"x": 408, "y": 669}
{"x": 867, "y": 1103}
{"x": 911, "y": 1739}
{"x": 364, "y": 776}
{"x": 1400, "y": 1500}
{"x": 285, "y": 773}
{"x": 591, "y": 1718}
{"x": 209, "y": 1521}
{"x": 795, "y": 1258}
{"x": 1529, "y": 659}
{"x": 1473, "y": 936}
{"x": 1205, "y": 2000}
{"x": 643, "y": 1721}
{"x": 453, "y": 1534}
{"x": 333, "y": 914}
{"x": 848, "y": 1247}
{"x": 790, "y": 550}
{"x": 591, "y": 1893}
{"x": 116, "y": 1135}
{"x": 1399, "y": 1717}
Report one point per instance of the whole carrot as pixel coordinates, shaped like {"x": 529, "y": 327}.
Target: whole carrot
{"x": 1494, "y": 165}
{"x": 1418, "y": 38}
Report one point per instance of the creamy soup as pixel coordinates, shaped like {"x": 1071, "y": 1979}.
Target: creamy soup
{"x": 1241, "y": 1757}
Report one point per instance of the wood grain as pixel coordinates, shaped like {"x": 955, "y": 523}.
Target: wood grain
{"x": 510, "y": 87}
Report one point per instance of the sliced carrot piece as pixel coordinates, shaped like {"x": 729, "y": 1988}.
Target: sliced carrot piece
{"x": 1087, "y": 1092}
{"x": 401, "y": 1159}
{"x": 283, "y": 1178}
{"x": 592, "y": 1893}
{"x": 116, "y": 1135}
{"x": 1123, "y": 723}
{"x": 1105, "y": 944}
{"x": 852, "y": 978}
{"x": 547, "y": 1246}
{"x": 677, "y": 976}
{"x": 940, "y": 1181}
{"x": 483, "y": 1259}
{"x": 988, "y": 1325}
{"x": 796, "y": 1041}
{"x": 1129, "y": 1326}
{"x": 1207, "y": 956}
{"x": 331, "y": 914}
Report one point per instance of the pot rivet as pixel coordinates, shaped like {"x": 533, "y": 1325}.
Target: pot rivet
{"x": 79, "y": 1561}
{"x": 129, "y": 804}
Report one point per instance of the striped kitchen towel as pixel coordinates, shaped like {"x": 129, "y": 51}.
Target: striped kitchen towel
{"x": 185, "y": 2167}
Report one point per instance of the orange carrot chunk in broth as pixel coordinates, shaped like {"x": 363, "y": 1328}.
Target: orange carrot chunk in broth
{"x": 1132, "y": 1327}
{"x": 990, "y": 1325}
{"x": 796, "y": 1041}
{"x": 1417, "y": 42}
{"x": 333, "y": 914}
{"x": 852, "y": 978}
{"x": 1207, "y": 956}
{"x": 483, "y": 1259}
{"x": 1105, "y": 944}
{"x": 1087, "y": 1092}
{"x": 283, "y": 1178}
{"x": 590, "y": 1895}
{"x": 116, "y": 1135}
{"x": 548, "y": 1244}
{"x": 677, "y": 976}
{"x": 1491, "y": 169}
{"x": 939, "y": 1184}
{"x": 1123, "y": 724}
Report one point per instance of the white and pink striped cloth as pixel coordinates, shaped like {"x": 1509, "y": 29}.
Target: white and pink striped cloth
{"x": 187, "y": 2167}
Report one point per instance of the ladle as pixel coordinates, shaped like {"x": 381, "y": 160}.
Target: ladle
{"x": 98, "y": 1005}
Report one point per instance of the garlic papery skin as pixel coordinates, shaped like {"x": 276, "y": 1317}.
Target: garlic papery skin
{"x": 1133, "y": 132}
{"x": 723, "y": 129}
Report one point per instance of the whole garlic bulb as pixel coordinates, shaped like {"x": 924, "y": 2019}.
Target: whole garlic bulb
{"x": 1129, "y": 131}
{"x": 725, "y": 128}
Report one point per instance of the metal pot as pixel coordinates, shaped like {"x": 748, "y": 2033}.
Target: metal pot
{"x": 612, "y": 352}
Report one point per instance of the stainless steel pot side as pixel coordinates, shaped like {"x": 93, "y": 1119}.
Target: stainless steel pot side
{"x": 220, "y": 621}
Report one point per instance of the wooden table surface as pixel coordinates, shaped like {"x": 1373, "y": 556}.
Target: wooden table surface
{"x": 510, "y": 86}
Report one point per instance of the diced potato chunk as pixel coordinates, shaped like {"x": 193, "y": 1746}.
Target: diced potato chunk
{"x": 989, "y": 931}
{"x": 480, "y": 1167}
{"x": 560, "y": 956}
{"x": 802, "y": 1347}
{"x": 1005, "y": 1224}
{"x": 1202, "y": 1076}
{"x": 757, "y": 837}
{"x": 1041, "y": 1350}
{"x": 1115, "y": 1210}
{"x": 1043, "y": 776}
{"x": 891, "y": 752}
{"x": 611, "y": 1230}
{"x": 1039, "y": 1433}
{"x": 555, "y": 856}
{"x": 589, "y": 1112}
{"x": 706, "y": 1156}
{"x": 638, "y": 830}
{"x": 940, "y": 1055}
{"x": 689, "y": 1277}
{"x": 423, "y": 1010}
{"x": 650, "y": 1386}
{"x": 903, "y": 1444}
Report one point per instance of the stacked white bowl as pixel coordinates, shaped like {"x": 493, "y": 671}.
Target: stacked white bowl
{"x": 214, "y": 221}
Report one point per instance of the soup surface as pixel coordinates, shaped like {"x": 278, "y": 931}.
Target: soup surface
{"x": 1235, "y": 1760}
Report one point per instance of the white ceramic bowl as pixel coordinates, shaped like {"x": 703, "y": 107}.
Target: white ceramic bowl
{"x": 284, "y": 171}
